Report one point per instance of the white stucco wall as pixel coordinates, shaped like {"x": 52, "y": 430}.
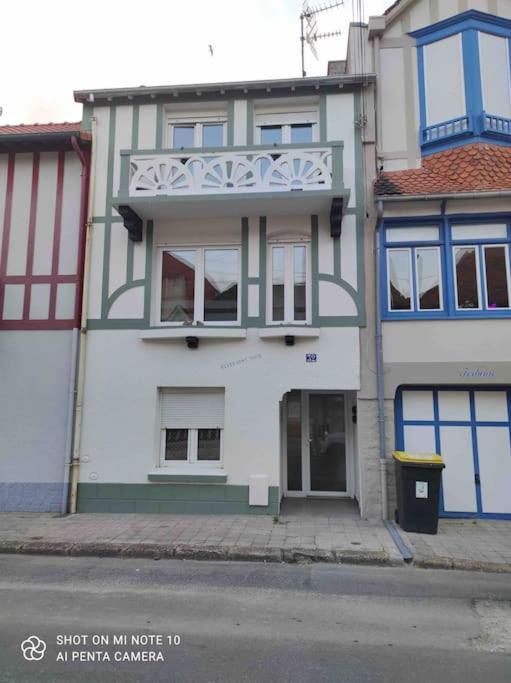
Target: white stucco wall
{"x": 495, "y": 76}
{"x": 444, "y": 80}
{"x": 35, "y": 369}
{"x": 431, "y": 341}
{"x": 120, "y": 431}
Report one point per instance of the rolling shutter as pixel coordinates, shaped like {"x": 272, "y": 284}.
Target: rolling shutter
{"x": 192, "y": 408}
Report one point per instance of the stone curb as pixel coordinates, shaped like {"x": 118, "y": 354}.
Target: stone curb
{"x": 243, "y": 554}
{"x": 193, "y": 552}
{"x": 435, "y": 562}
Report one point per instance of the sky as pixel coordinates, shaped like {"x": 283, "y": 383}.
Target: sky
{"x": 66, "y": 46}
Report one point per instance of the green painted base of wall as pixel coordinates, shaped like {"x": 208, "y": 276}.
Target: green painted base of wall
{"x": 200, "y": 499}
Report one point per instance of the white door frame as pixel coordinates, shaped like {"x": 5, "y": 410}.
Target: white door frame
{"x": 349, "y": 446}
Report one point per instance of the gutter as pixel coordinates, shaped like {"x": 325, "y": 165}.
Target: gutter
{"x": 8, "y": 141}
{"x": 234, "y": 87}
{"x": 380, "y": 389}
{"x": 494, "y": 194}
{"x": 80, "y": 384}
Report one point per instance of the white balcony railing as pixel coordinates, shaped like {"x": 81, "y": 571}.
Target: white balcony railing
{"x": 279, "y": 169}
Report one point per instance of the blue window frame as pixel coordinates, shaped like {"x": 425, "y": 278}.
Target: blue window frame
{"x": 446, "y": 267}
{"x": 474, "y": 122}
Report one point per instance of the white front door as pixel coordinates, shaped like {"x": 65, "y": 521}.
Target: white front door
{"x": 318, "y": 444}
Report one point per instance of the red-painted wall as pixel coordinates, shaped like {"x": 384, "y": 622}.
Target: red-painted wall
{"x": 43, "y": 198}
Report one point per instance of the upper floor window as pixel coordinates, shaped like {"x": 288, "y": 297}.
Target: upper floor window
{"x": 460, "y": 270}
{"x": 286, "y": 128}
{"x": 199, "y": 285}
{"x": 481, "y": 270}
{"x": 186, "y": 134}
{"x": 464, "y": 79}
{"x": 291, "y": 133}
{"x": 289, "y": 284}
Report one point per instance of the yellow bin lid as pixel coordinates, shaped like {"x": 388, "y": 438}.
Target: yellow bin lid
{"x": 418, "y": 458}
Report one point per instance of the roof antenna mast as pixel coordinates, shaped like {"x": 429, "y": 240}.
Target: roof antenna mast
{"x": 309, "y": 28}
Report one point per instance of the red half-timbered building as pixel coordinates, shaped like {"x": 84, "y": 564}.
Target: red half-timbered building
{"x": 44, "y": 174}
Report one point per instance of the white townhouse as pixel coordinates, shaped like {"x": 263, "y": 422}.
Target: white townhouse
{"x": 226, "y": 295}
{"x": 436, "y": 360}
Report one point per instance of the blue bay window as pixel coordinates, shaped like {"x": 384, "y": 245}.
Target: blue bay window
{"x": 464, "y": 81}
{"x": 455, "y": 267}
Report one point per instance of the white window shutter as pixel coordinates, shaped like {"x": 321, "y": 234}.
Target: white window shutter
{"x": 192, "y": 408}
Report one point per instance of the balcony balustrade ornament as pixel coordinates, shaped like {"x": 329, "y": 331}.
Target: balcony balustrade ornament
{"x": 231, "y": 172}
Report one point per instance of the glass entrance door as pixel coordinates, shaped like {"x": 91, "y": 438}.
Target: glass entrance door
{"x": 327, "y": 443}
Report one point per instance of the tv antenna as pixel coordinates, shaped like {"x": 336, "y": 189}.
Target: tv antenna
{"x": 309, "y": 28}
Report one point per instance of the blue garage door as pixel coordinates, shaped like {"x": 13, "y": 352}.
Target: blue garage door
{"x": 471, "y": 429}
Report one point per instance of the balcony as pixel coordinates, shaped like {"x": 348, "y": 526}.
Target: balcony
{"x": 496, "y": 125}
{"x": 473, "y": 128}
{"x": 447, "y": 129}
{"x": 232, "y": 181}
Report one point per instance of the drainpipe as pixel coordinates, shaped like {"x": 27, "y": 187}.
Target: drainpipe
{"x": 377, "y": 107}
{"x": 80, "y": 386}
{"x": 69, "y": 426}
{"x": 71, "y": 393}
{"x": 380, "y": 389}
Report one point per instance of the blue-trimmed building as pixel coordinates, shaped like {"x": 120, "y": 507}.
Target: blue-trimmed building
{"x": 442, "y": 251}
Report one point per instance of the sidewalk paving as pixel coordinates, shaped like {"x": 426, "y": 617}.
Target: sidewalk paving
{"x": 483, "y": 545}
{"x": 293, "y": 538}
{"x": 297, "y": 537}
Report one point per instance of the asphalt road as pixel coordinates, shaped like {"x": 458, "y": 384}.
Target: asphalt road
{"x": 251, "y": 622}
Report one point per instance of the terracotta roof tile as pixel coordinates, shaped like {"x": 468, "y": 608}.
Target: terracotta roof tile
{"x": 477, "y": 167}
{"x": 42, "y": 128}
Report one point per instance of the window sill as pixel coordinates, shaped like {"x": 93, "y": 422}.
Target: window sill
{"x": 475, "y": 315}
{"x": 195, "y": 476}
{"x": 289, "y": 330}
{"x": 178, "y": 333}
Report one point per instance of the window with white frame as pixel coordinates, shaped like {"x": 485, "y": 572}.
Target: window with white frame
{"x": 456, "y": 269}
{"x": 414, "y": 279}
{"x": 289, "y": 283}
{"x": 481, "y": 269}
{"x": 186, "y": 132}
{"x": 199, "y": 284}
{"x": 413, "y": 272}
{"x": 286, "y": 128}
{"x": 191, "y": 427}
